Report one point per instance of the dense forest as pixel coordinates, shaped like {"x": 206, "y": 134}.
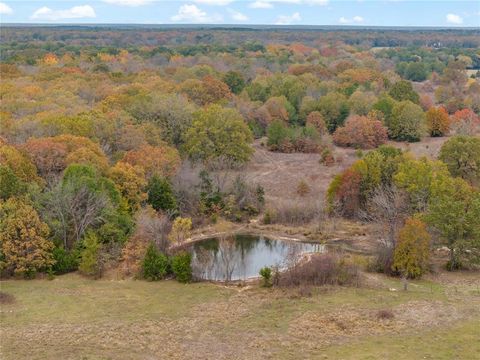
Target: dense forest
{"x": 118, "y": 143}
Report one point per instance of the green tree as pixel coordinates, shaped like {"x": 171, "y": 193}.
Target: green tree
{"x": 172, "y": 112}
{"x": 416, "y": 71}
{"x": 235, "y": 81}
{"x": 160, "y": 195}
{"x": 385, "y": 104}
{"x": 454, "y": 211}
{"x": 403, "y": 90}
{"x": 407, "y": 122}
{"x": 155, "y": 264}
{"x": 334, "y": 109}
{"x": 462, "y": 156}
{"x": 218, "y": 133}
{"x": 412, "y": 250}
{"x": 89, "y": 257}
{"x": 181, "y": 266}
{"x": 415, "y": 177}
{"x": 10, "y": 184}
{"x": 277, "y": 133}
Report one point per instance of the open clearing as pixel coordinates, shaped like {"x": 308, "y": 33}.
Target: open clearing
{"x": 280, "y": 173}
{"x": 75, "y": 318}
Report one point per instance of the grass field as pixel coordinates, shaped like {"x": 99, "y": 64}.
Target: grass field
{"x": 74, "y": 318}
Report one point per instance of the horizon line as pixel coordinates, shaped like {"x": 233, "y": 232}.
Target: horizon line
{"x": 227, "y": 25}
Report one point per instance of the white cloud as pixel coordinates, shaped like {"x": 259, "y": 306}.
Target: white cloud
{"x": 76, "y": 12}
{"x": 237, "y": 16}
{"x": 317, "y": 2}
{"x": 132, "y": 3}
{"x": 288, "y": 19}
{"x": 214, "y": 2}
{"x": 261, "y": 5}
{"x": 5, "y": 9}
{"x": 454, "y": 19}
{"x": 355, "y": 20}
{"x": 268, "y": 4}
{"x": 192, "y": 14}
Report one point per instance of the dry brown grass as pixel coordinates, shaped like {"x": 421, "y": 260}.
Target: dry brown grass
{"x": 72, "y": 318}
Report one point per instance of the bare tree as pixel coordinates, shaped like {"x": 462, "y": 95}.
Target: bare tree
{"x": 154, "y": 228}
{"x": 75, "y": 209}
{"x": 387, "y": 208}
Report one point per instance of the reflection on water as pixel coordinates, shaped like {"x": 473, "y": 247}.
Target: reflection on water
{"x": 242, "y": 256}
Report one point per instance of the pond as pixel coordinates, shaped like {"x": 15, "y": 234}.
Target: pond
{"x": 240, "y": 257}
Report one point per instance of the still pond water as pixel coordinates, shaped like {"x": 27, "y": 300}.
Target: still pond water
{"x": 242, "y": 256}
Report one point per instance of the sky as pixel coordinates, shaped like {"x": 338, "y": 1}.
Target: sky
{"x": 439, "y": 13}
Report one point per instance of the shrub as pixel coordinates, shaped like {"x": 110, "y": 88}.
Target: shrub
{"x": 302, "y": 188}
{"x": 294, "y": 212}
{"x": 6, "y": 298}
{"x": 321, "y": 269}
{"x": 266, "y": 274}
{"x": 412, "y": 249}
{"x": 268, "y": 217}
{"x": 438, "y": 121}
{"x": 181, "y": 267}
{"x": 326, "y": 157}
{"x": 155, "y": 264}
{"x": 298, "y": 139}
{"x": 361, "y": 132}
{"x": 385, "y": 314}
{"x": 65, "y": 261}
{"x": 89, "y": 263}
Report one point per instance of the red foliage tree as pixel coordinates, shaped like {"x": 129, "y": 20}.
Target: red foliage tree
{"x": 465, "y": 122}
{"x": 361, "y": 132}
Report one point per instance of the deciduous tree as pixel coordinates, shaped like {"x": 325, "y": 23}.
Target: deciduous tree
{"x": 216, "y": 133}
{"x": 24, "y": 239}
{"x": 462, "y": 156}
{"x": 412, "y": 250}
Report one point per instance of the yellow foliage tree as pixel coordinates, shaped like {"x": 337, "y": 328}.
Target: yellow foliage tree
{"x": 24, "y": 244}
{"x": 412, "y": 250}
{"x": 180, "y": 230}
{"x": 130, "y": 181}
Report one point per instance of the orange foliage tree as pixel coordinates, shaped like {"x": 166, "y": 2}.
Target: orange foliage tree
{"x": 154, "y": 160}
{"x": 438, "y": 121}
